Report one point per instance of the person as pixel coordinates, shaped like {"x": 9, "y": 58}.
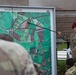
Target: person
{"x": 15, "y": 60}
{"x": 72, "y": 38}
{"x": 37, "y": 66}
{"x": 69, "y": 63}
{"x": 72, "y": 70}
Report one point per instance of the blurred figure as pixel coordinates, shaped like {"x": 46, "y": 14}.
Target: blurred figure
{"x": 72, "y": 38}
{"x": 70, "y": 62}
{"x": 37, "y": 66}
{"x": 15, "y": 60}
{"x": 72, "y": 70}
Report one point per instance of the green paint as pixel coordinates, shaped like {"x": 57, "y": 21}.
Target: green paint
{"x": 35, "y": 39}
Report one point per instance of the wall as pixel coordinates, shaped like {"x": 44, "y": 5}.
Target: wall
{"x": 59, "y": 4}
{"x": 14, "y": 2}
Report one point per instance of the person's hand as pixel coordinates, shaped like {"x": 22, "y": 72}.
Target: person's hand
{"x": 59, "y": 33}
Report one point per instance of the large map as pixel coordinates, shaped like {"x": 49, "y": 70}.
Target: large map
{"x": 31, "y": 30}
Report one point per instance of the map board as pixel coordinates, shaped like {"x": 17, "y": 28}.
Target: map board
{"x": 31, "y": 27}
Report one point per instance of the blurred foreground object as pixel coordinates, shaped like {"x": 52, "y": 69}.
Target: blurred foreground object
{"x": 15, "y": 60}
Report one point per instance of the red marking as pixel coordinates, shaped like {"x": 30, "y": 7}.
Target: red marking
{"x": 16, "y": 36}
{"x": 43, "y": 63}
{"x": 26, "y": 26}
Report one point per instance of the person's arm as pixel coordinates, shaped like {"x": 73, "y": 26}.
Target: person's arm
{"x": 71, "y": 71}
{"x": 64, "y": 37}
